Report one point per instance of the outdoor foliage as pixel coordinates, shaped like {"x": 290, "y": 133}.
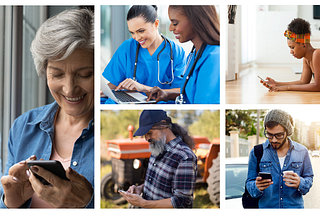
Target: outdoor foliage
{"x": 244, "y": 121}
{"x": 204, "y": 123}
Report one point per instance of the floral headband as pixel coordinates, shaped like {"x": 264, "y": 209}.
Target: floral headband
{"x": 301, "y": 38}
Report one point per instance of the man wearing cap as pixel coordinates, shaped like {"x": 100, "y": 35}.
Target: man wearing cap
{"x": 287, "y": 161}
{"x": 172, "y": 169}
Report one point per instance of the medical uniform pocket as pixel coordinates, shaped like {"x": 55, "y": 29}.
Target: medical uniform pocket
{"x": 266, "y": 166}
{"x": 296, "y": 167}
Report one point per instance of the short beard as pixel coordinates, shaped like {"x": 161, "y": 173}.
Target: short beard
{"x": 157, "y": 146}
{"x": 282, "y": 143}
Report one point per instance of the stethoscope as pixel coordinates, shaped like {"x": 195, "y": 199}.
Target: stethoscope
{"x": 158, "y": 60}
{"x": 180, "y": 99}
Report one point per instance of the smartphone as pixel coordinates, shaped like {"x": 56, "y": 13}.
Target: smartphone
{"x": 53, "y": 166}
{"x": 120, "y": 190}
{"x": 265, "y": 175}
{"x": 263, "y": 80}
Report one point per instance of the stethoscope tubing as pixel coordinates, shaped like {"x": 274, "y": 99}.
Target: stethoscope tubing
{"x": 180, "y": 99}
{"x": 158, "y": 60}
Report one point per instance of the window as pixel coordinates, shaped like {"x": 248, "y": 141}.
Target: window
{"x": 20, "y": 87}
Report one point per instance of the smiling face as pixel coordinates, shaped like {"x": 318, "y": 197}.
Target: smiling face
{"x": 142, "y": 31}
{"x": 71, "y": 83}
{"x": 180, "y": 25}
{"x": 296, "y": 49}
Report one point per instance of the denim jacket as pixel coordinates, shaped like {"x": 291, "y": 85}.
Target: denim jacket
{"x": 32, "y": 134}
{"x": 278, "y": 195}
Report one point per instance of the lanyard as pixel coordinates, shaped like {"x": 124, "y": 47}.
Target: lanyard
{"x": 179, "y": 99}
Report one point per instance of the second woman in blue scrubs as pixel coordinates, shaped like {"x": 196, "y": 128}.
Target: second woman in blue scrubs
{"x": 143, "y": 25}
{"x": 200, "y": 25}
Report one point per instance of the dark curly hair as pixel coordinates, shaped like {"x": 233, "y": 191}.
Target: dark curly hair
{"x": 299, "y": 26}
{"x": 177, "y": 130}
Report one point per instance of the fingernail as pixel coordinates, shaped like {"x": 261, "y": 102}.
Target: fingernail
{"x": 22, "y": 162}
{"x": 32, "y": 157}
{"x": 28, "y": 173}
{"x": 14, "y": 178}
{"x": 34, "y": 169}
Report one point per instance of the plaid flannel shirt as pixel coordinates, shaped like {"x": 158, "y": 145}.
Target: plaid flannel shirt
{"x": 172, "y": 174}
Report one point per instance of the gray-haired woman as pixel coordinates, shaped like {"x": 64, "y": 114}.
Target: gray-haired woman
{"x": 63, "y": 52}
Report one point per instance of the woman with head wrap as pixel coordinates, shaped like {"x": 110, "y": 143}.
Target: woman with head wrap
{"x": 298, "y": 40}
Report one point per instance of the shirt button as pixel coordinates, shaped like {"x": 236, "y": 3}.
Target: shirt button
{"x": 75, "y": 163}
{"x": 281, "y": 199}
{"x": 154, "y": 164}
{"x": 83, "y": 136}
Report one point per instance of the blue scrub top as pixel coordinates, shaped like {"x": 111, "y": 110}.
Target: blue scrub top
{"x": 121, "y": 66}
{"x": 203, "y": 86}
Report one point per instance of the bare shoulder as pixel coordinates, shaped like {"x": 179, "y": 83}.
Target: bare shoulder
{"x": 316, "y": 55}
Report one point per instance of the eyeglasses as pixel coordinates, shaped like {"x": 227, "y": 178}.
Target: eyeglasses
{"x": 277, "y": 135}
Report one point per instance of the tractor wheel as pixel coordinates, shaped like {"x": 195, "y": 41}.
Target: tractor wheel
{"x": 213, "y": 181}
{"x": 107, "y": 190}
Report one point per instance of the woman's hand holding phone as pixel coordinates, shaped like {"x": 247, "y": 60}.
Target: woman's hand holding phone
{"x": 75, "y": 193}
{"x": 268, "y": 82}
{"x": 16, "y": 185}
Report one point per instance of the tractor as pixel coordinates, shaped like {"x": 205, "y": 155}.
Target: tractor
{"x": 129, "y": 162}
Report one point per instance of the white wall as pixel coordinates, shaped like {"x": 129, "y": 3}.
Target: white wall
{"x": 270, "y": 46}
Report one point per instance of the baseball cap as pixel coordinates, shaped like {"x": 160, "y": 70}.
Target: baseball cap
{"x": 147, "y": 119}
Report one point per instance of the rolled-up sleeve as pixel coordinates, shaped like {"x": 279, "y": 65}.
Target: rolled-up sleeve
{"x": 184, "y": 184}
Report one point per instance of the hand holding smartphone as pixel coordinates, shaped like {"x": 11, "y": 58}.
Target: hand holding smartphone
{"x": 122, "y": 191}
{"x": 265, "y": 175}
{"x": 263, "y": 80}
{"x": 53, "y": 166}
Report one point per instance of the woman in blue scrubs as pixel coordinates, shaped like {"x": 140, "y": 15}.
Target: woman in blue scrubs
{"x": 201, "y": 84}
{"x": 143, "y": 25}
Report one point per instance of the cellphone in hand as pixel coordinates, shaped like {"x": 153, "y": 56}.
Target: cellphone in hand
{"x": 53, "y": 166}
{"x": 263, "y": 80}
{"x": 120, "y": 190}
{"x": 265, "y": 175}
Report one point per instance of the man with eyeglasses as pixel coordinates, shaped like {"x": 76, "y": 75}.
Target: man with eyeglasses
{"x": 287, "y": 161}
{"x": 172, "y": 170}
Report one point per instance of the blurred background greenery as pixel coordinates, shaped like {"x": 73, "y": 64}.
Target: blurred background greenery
{"x": 199, "y": 122}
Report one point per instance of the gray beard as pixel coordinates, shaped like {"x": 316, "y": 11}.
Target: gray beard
{"x": 157, "y": 146}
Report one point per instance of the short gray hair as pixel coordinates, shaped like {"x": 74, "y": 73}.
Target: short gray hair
{"x": 60, "y": 35}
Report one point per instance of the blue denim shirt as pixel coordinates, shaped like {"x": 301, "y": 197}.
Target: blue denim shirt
{"x": 278, "y": 195}
{"x": 32, "y": 134}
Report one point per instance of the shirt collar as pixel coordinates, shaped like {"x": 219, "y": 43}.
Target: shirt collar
{"x": 169, "y": 146}
{"x": 46, "y": 117}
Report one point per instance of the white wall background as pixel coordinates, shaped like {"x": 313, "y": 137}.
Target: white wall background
{"x": 261, "y": 34}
